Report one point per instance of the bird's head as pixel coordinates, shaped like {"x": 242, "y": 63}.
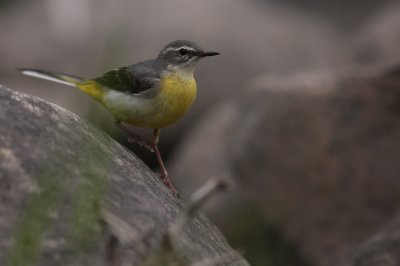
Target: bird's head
{"x": 182, "y": 55}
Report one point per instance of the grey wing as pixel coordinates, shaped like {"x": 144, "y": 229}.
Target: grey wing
{"x": 134, "y": 79}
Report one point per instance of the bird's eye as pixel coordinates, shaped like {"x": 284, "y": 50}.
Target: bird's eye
{"x": 183, "y": 51}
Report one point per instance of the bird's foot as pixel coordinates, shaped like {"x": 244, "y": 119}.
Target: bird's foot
{"x": 165, "y": 179}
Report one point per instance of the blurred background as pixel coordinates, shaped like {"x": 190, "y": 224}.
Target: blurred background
{"x": 292, "y": 108}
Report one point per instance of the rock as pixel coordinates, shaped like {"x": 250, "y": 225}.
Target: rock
{"x": 317, "y": 154}
{"x": 321, "y": 158}
{"x": 381, "y": 249}
{"x": 378, "y": 40}
{"x": 346, "y": 15}
{"x": 71, "y": 195}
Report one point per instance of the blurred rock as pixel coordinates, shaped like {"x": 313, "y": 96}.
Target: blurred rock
{"x": 378, "y": 40}
{"x": 317, "y": 154}
{"x": 321, "y": 157}
{"x": 346, "y": 15}
{"x": 382, "y": 249}
{"x": 70, "y": 195}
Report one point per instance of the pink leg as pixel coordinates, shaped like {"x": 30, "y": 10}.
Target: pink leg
{"x": 133, "y": 137}
{"x": 164, "y": 174}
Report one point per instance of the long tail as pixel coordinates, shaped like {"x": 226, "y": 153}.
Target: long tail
{"x": 65, "y": 79}
{"x": 91, "y": 87}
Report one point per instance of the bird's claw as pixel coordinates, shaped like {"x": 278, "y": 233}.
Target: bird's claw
{"x": 165, "y": 179}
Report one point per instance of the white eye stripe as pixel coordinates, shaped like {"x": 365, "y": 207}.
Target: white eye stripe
{"x": 178, "y": 48}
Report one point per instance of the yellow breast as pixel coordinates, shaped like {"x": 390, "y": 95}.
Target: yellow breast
{"x": 177, "y": 93}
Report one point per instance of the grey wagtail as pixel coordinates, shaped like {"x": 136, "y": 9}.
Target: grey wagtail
{"x": 150, "y": 94}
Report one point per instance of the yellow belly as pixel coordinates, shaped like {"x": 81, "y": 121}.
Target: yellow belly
{"x": 176, "y": 95}
{"x": 174, "y": 98}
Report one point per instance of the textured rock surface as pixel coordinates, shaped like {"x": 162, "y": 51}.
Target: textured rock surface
{"x": 317, "y": 153}
{"x": 57, "y": 176}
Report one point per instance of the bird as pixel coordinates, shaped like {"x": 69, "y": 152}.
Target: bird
{"x": 150, "y": 94}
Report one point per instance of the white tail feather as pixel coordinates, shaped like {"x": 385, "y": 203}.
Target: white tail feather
{"x": 40, "y": 75}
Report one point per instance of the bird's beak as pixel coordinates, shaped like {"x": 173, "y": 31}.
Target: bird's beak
{"x": 204, "y": 54}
